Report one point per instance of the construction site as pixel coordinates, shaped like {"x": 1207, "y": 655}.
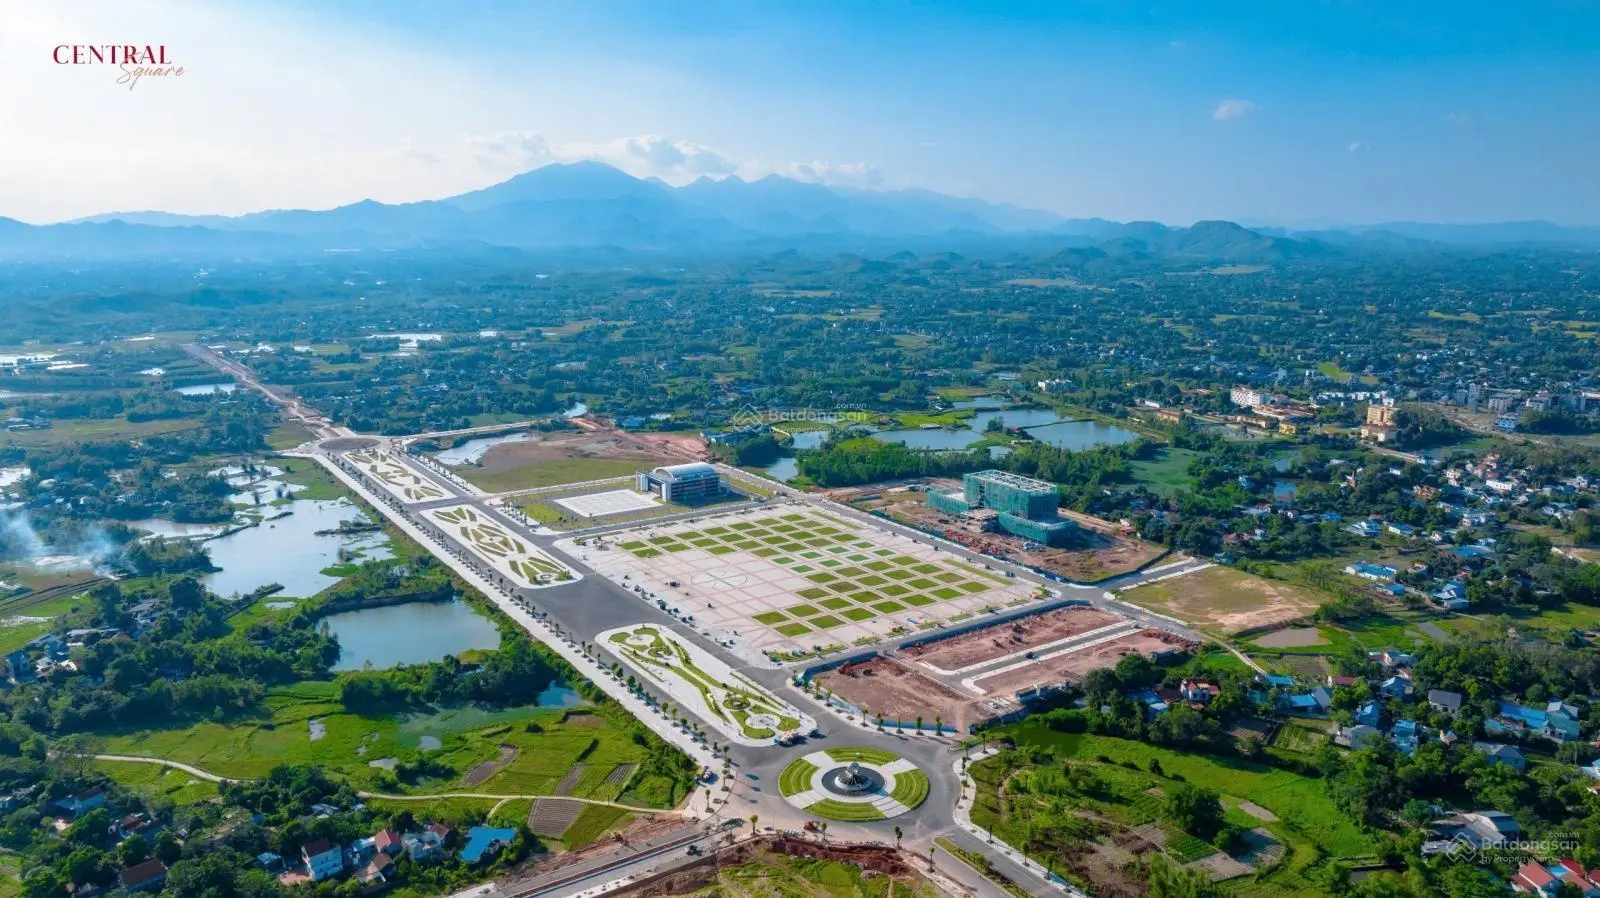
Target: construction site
{"x": 1096, "y": 549}
{"x": 990, "y": 673}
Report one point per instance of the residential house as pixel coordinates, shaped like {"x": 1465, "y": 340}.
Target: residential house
{"x": 1405, "y": 530}
{"x": 485, "y": 841}
{"x": 148, "y": 876}
{"x": 81, "y": 803}
{"x": 376, "y": 872}
{"x": 1358, "y": 736}
{"x": 1369, "y": 714}
{"x": 424, "y": 846}
{"x": 1405, "y": 735}
{"x": 1480, "y": 829}
{"x": 1393, "y": 659}
{"x": 1277, "y": 680}
{"x": 1392, "y": 590}
{"x": 1444, "y": 700}
{"x": 1197, "y": 691}
{"x": 1313, "y": 703}
{"x": 1498, "y": 753}
{"x": 323, "y": 859}
{"x": 1555, "y": 722}
{"x": 1336, "y": 680}
{"x": 1548, "y": 880}
{"x": 1365, "y": 528}
{"x": 1375, "y": 572}
{"x": 388, "y": 842}
{"x": 1395, "y": 687}
{"x": 1452, "y": 596}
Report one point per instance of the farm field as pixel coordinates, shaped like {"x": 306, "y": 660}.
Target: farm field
{"x": 789, "y": 581}
{"x": 1225, "y": 600}
{"x": 544, "y": 744}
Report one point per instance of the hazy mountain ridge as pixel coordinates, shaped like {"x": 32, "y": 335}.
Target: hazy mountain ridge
{"x": 590, "y": 204}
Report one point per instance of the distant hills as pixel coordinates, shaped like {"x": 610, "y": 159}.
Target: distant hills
{"x": 593, "y": 205}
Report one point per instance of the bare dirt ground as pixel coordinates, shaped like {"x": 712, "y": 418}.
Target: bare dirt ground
{"x": 1100, "y": 550}
{"x": 1226, "y": 600}
{"x": 886, "y": 687}
{"x": 1073, "y": 666}
{"x": 1010, "y": 637}
{"x": 576, "y": 456}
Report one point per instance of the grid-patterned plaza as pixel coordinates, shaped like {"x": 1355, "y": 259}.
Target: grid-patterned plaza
{"x": 791, "y": 579}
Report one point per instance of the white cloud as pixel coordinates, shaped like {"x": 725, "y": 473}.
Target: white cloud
{"x": 1354, "y": 147}
{"x": 1228, "y": 110}
{"x": 847, "y": 174}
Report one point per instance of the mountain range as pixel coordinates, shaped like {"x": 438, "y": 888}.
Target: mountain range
{"x": 590, "y": 204}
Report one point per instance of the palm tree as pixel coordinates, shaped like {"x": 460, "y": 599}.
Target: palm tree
{"x": 822, "y": 828}
{"x": 897, "y": 835}
{"x": 753, "y": 819}
{"x": 938, "y": 724}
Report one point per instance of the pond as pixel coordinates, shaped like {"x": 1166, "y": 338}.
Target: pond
{"x": 472, "y": 451}
{"x": 787, "y": 467}
{"x": 981, "y": 402}
{"x": 931, "y": 438}
{"x": 1082, "y": 434}
{"x": 207, "y": 389}
{"x": 288, "y": 550}
{"x": 413, "y": 633}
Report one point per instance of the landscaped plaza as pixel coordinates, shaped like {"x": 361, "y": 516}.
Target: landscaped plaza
{"x": 702, "y": 683}
{"x": 510, "y": 556}
{"x": 853, "y": 784}
{"x": 395, "y": 478}
{"x": 788, "y": 580}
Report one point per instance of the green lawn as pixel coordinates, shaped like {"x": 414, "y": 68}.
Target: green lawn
{"x": 553, "y": 472}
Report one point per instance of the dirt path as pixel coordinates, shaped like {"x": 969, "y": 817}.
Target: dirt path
{"x": 192, "y": 771}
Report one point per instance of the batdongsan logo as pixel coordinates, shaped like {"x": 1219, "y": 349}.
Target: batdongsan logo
{"x": 133, "y": 62}
{"x": 750, "y": 415}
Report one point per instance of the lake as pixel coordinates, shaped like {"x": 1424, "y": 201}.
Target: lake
{"x": 1041, "y": 424}
{"x": 1082, "y": 434}
{"x": 786, "y": 467}
{"x": 413, "y": 633}
{"x": 289, "y": 551}
{"x": 472, "y": 451}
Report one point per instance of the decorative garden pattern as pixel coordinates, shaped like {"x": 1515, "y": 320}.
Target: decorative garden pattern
{"x": 497, "y": 545}
{"x": 703, "y": 684}
{"x": 395, "y": 478}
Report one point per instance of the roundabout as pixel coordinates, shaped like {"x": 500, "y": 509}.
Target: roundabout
{"x": 853, "y": 784}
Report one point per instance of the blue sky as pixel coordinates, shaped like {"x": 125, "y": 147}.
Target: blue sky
{"x": 1291, "y": 111}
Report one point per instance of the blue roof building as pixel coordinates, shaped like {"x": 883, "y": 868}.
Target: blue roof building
{"x": 485, "y": 840}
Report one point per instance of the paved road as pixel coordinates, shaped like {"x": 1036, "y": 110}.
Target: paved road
{"x": 566, "y": 615}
